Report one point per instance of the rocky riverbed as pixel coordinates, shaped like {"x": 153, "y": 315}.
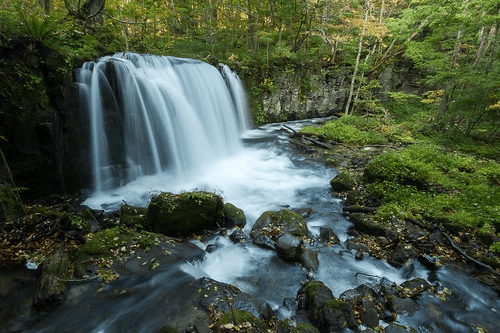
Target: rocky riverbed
{"x": 83, "y": 255}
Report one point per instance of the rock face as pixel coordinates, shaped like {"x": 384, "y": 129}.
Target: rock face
{"x": 186, "y": 213}
{"x": 305, "y": 95}
{"x": 11, "y": 205}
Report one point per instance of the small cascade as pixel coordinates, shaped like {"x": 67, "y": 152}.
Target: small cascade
{"x": 152, "y": 114}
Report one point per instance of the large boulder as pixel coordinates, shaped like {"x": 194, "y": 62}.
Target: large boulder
{"x": 186, "y": 213}
{"x": 274, "y": 224}
{"x": 323, "y": 310}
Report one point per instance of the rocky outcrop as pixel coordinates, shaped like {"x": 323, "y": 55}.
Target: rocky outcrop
{"x": 302, "y": 94}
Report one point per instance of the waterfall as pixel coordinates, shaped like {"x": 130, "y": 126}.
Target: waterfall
{"x": 156, "y": 114}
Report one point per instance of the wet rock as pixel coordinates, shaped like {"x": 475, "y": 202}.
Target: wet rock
{"x": 323, "y": 310}
{"x": 337, "y": 315}
{"x": 227, "y": 297}
{"x": 369, "y": 290}
{"x": 366, "y": 225}
{"x": 359, "y": 255}
{"x": 387, "y": 316}
{"x": 132, "y": 216}
{"x": 235, "y": 217}
{"x": 351, "y": 245}
{"x": 394, "y": 328}
{"x": 267, "y": 312}
{"x": 274, "y": 224}
{"x": 51, "y": 279}
{"x": 186, "y": 213}
{"x": 401, "y": 306}
{"x": 211, "y": 248}
{"x": 265, "y": 242}
{"x": 304, "y": 212}
{"x": 290, "y": 304}
{"x": 311, "y": 297}
{"x": 238, "y": 236}
{"x": 416, "y": 286}
{"x": 350, "y": 295}
{"x": 342, "y": 182}
{"x": 308, "y": 258}
{"x": 326, "y": 234}
{"x": 305, "y": 328}
{"x": 370, "y": 317}
{"x": 288, "y": 247}
{"x": 234, "y": 320}
{"x": 401, "y": 255}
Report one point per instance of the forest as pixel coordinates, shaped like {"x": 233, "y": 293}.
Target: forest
{"x": 454, "y": 45}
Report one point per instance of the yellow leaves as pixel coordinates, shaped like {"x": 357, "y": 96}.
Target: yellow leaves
{"x": 495, "y": 106}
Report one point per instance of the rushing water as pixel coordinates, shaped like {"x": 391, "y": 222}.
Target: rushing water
{"x": 256, "y": 170}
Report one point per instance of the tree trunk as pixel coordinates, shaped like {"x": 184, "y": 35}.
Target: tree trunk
{"x": 360, "y": 48}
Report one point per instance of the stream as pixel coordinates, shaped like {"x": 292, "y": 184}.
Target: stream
{"x": 269, "y": 175}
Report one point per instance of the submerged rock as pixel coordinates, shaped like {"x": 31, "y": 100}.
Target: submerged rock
{"x": 186, "y": 213}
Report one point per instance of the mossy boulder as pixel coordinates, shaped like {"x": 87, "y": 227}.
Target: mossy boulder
{"x": 52, "y": 275}
{"x": 323, "y": 309}
{"x": 103, "y": 248}
{"x": 186, "y": 213}
{"x": 342, "y": 182}
{"x": 274, "y": 224}
{"x": 235, "y": 217}
{"x": 132, "y": 216}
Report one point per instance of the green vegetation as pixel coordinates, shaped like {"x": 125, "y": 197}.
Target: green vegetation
{"x": 358, "y": 130}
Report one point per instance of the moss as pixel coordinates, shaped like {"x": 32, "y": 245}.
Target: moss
{"x": 133, "y": 216}
{"x": 275, "y": 224}
{"x": 305, "y": 328}
{"x": 234, "y": 215}
{"x": 185, "y": 213}
{"x": 342, "y": 182}
{"x": 335, "y": 305}
{"x": 238, "y": 317}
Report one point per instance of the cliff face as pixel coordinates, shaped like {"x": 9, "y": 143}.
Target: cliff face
{"x": 39, "y": 134}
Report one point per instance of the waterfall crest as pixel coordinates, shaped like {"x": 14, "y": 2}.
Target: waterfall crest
{"x": 152, "y": 114}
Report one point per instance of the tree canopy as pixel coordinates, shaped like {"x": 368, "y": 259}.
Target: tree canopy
{"x": 453, "y": 44}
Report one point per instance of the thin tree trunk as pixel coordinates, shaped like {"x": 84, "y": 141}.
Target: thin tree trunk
{"x": 483, "y": 46}
{"x": 360, "y": 48}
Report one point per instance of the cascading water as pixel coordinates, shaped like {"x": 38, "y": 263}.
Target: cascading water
{"x": 152, "y": 115}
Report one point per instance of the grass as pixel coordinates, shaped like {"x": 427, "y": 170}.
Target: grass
{"x": 436, "y": 176}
